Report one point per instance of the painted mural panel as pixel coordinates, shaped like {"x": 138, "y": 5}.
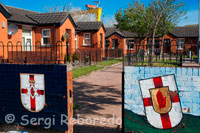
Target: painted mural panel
{"x": 158, "y": 98}
{"x": 34, "y": 95}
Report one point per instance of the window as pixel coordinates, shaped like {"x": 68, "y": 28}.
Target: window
{"x": 131, "y": 44}
{"x": 101, "y": 40}
{"x": 115, "y": 44}
{"x": 46, "y": 36}
{"x": 167, "y": 42}
{"x": 27, "y": 39}
{"x": 86, "y": 40}
{"x": 76, "y": 41}
{"x": 180, "y": 43}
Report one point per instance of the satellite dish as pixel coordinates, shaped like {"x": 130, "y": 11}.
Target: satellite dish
{"x": 12, "y": 29}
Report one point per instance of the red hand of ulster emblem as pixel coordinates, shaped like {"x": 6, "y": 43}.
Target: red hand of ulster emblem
{"x": 32, "y": 91}
{"x": 161, "y": 99}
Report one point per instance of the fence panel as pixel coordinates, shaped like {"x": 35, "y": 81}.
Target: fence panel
{"x": 173, "y": 53}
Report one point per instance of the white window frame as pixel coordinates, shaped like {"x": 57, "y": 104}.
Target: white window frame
{"x": 46, "y": 36}
{"x": 86, "y": 38}
{"x": 76, "y": 41}
{"x": 181, "y": 43}
{"x": 128, "y": 48}
{"x": 27, "y": 37}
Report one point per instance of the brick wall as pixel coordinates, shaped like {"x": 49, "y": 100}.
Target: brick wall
{"x": 70, "y": 99}
{"x": 188, "y": 83}
{"x": 3, "y": 33}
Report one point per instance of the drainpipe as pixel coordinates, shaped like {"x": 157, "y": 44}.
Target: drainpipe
{"x": 55, "y": 34}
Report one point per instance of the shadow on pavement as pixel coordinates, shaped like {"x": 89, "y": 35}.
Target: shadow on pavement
{"x": 90, "y": 97}
{"x": 94, "y": 129}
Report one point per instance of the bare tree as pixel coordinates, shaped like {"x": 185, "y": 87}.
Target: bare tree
{"x": 77, "y": 13}
{"x": 172, "y": 10}
{"x": 109, "y": 21}
{"x": 65, "y": 8}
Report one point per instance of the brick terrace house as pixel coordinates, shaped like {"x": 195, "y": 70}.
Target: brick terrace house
{"x": 116, "y": 39}
{"x": 90, "y": 37}
{"x": 178, "y": 40}
{"x": 46, "y": 34}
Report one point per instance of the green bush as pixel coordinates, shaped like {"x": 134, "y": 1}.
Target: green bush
{"x": 75, "y": 57}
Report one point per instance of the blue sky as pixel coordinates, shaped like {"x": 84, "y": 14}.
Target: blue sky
{"x": 109, "y": 7}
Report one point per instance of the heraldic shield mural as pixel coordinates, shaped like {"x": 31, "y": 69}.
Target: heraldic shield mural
{"x": 32, "y": 91}
{"x": 161, "y": 101}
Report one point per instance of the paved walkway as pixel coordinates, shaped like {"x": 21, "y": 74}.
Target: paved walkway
{"x": 100, "y": 97}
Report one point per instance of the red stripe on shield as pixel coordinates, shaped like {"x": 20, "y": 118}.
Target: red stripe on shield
{"x": 158, "y": 82}
{"x": 33, "y": 106}
{"x": 24, "y": 91}
{"x": 147, "y": 102}
{"x": 166, "y": 123}
{"x": 175, "y": 99}
{"x": 31, "y": 77}
{"x": 40, "y": 92}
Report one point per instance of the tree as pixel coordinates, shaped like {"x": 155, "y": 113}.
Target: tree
{"x": 147, "y": 21}
{"x": 169, "y": 10}
{"x": 65, "y": 8}
{"x": 133, "y": 19}
{"x": 164, "y": 27}
{"x": 76, "y": 12}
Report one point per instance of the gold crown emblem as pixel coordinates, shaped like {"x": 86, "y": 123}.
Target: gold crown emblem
{"x": 32, "y": 81}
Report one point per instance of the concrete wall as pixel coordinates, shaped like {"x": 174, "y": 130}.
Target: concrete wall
{"x": 188, "y": 83}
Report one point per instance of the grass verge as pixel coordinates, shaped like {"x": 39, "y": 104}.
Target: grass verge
{"x": 109, "y": 62}
{"x": 80, "y": 71}
{"x": 158, "y": 64}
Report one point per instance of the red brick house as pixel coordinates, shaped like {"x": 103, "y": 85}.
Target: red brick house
{"x": 29, "y": 32}
{"x": 90, "y": 36}
{"x": 178, "y": 40}
{"x": 116, "y": 39}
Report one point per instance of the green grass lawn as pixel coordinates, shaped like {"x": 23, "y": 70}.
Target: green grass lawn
{"x": 80, "y": 71}
{"x": 158, "y": 64}
{"x": 109, "y": 62}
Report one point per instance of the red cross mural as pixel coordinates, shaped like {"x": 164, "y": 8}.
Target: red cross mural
{"x": 32, "y": 95}
{"x": 161, "y": 101}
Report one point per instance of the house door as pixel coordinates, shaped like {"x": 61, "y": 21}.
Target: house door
{"x": 167, "y": 46}
{"x": 27, "y": 40}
